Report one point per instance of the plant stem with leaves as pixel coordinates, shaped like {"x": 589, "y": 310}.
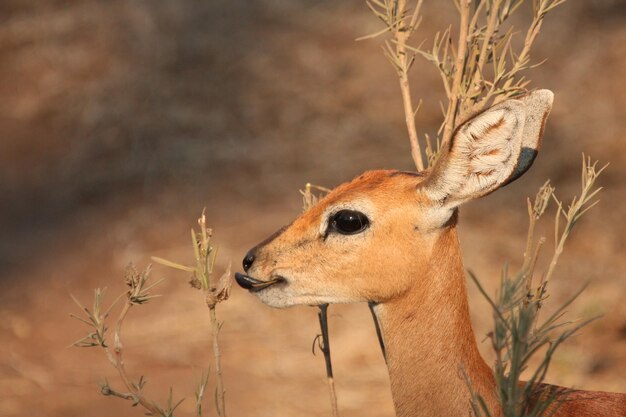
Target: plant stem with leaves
{"x": 214, "y": 290}
{"x": 518, "y": 333}
{"x": 137, "y": 294}
{"x": 480, "y": 68}
{"x": 401, "y": 24}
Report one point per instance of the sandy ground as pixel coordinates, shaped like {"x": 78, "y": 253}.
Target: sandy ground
{"x": 121, "y": 120}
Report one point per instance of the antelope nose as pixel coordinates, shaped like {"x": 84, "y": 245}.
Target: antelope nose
{"x": 248, "y": 260}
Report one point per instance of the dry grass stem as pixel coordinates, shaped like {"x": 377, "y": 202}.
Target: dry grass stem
{"x": 215, "y": 291}
{"x": 200, "y": 392}
{"x": 478, "y": 69}
{"x": 309, "y": 198}
{"x": 400, "y": 23}
{"x": 323, "y": 343}
{"x": 137, "y": 294}
{"x": 577, "y": 208}
{"x": 459, "y": 70}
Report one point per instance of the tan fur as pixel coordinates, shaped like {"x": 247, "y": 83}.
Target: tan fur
{"x": 408, "y": 261}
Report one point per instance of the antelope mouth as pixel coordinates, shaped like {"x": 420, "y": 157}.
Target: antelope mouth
{"x": 253, "y": 284}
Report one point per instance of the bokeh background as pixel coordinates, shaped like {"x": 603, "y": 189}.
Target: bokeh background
{"x": 121, "y": 120}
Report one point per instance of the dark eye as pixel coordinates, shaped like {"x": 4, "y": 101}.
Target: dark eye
{"x": 349, "y": 222}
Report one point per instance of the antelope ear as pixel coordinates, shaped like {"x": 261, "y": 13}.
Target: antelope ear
{"x": 489, "y": 150}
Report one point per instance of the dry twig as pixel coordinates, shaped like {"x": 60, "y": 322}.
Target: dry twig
{"x": 401, "y": 24}
{"x": 517, "y": 334}
{"x": 214, "y": 290}
{"x": 137, "y": 294}
{"x": 480, "y": 69}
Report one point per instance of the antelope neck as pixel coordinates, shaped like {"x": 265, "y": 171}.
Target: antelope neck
{"x": 430, "y": 342}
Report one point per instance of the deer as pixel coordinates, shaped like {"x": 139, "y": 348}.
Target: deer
{"x": 389, "y": 237}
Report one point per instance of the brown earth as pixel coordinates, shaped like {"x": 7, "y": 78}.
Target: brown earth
{"x": 120, "y": 121}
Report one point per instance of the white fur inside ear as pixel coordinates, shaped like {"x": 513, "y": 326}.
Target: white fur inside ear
{"x": 490, "y": 147}
{"x": 483, "y": 154}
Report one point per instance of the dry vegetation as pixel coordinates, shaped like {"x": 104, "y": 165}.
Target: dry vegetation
{"x": 121, "y": 121}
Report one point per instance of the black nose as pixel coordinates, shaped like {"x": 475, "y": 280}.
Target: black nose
{"x": 248, "y": 260}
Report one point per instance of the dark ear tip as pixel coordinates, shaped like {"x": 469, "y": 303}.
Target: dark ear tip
{"x": 526, "y": 158}
{"x": 538, "y": 104}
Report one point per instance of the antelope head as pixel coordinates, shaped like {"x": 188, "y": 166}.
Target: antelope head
{"x": 352, "y": 246}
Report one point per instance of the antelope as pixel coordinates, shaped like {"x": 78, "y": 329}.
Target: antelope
{"x": 390, "y": 237}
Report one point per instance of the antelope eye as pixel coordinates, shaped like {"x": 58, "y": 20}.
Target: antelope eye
{"x": 349, "y": 222}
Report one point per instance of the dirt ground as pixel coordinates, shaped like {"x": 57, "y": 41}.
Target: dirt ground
{"x": 121, "y": 120}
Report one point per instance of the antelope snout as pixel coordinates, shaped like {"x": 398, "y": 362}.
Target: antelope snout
{"x": 253, "y": 284}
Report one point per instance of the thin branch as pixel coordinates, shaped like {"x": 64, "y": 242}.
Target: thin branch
{"x": 459, "y": 69}
{"x": 492, "y": 26}
{"x": 379, "y": 333}
{"x": 401, "y": 34}
{"x": 324, "y": 346}
{"x": 215, "y": 291}
{"x": 137, "y": 294}
{"x": 200, "y": 392}
{"x": 220, "y": 391}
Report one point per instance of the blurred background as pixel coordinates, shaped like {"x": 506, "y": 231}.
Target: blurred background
{"x": 121, "y": 120}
